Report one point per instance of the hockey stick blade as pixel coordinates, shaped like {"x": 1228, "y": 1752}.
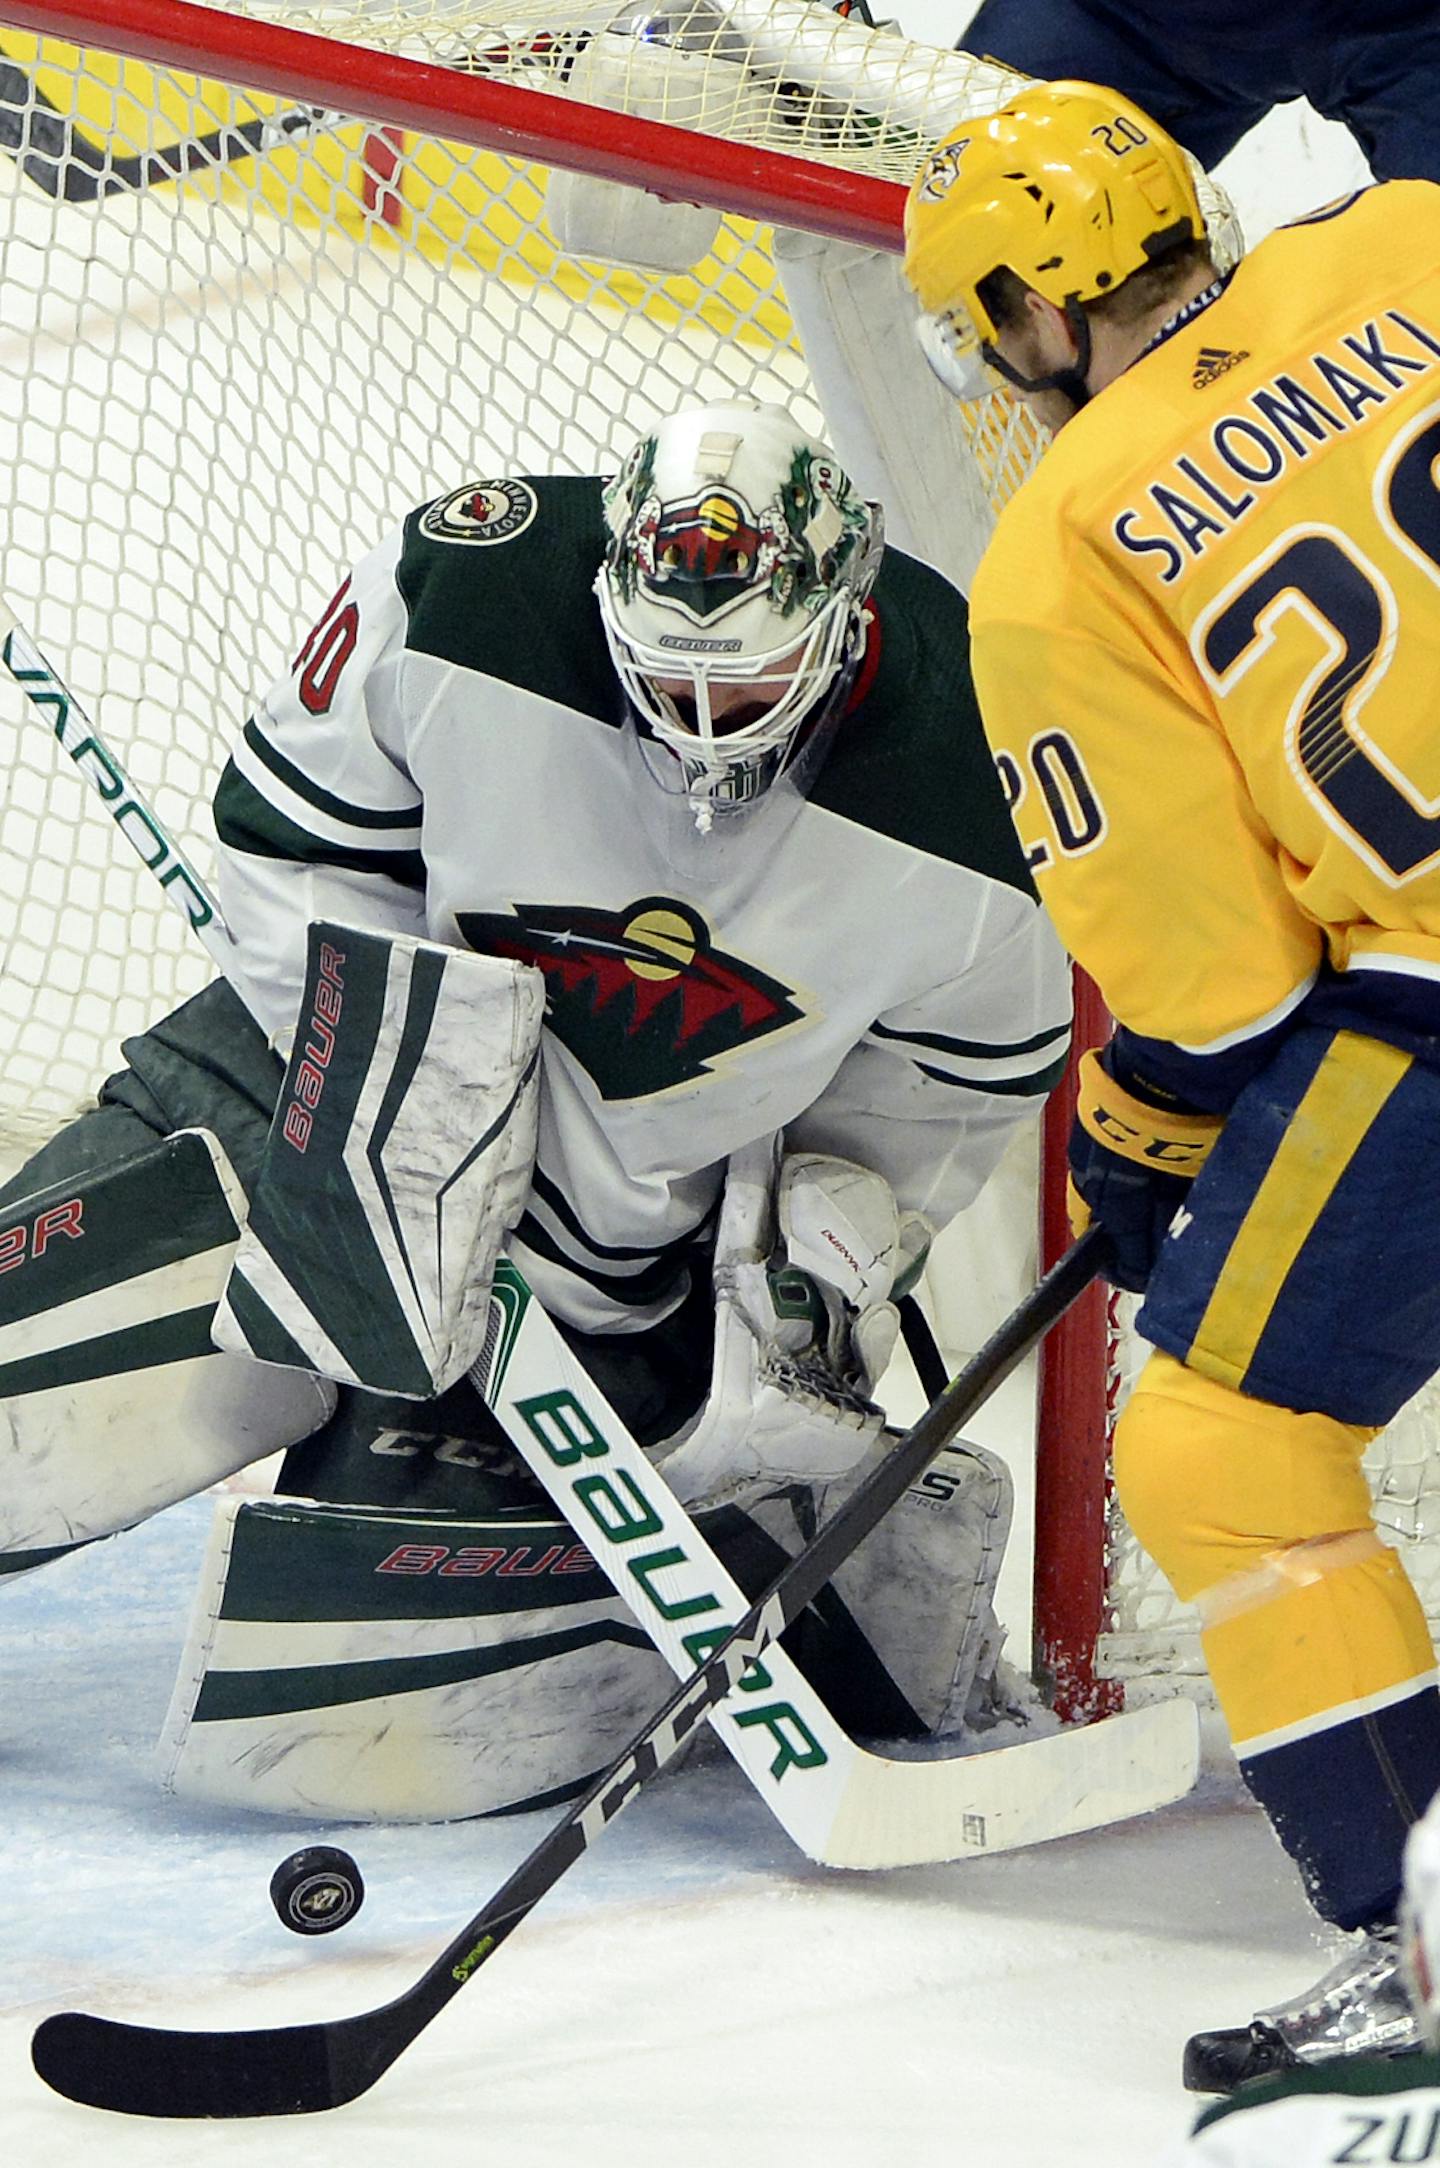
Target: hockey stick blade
{"x": 299, "y": 2069}
{"x": 145, "y": 2070}
{"x": 155, "y": 2070}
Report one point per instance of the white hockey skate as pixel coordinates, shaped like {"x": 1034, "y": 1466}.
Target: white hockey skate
{"x": 1361, "y": 2007}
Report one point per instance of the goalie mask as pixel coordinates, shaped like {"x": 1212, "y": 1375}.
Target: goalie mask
{"x": 737, "y": 563}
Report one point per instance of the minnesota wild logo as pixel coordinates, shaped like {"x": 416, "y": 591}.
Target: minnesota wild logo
{"x": 641, "y": 997}
{"x": 712, "y": 548}
{"x": 704, "y": 552}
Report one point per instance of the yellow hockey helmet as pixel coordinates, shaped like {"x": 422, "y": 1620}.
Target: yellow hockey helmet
{"x": 1069, "y": 186}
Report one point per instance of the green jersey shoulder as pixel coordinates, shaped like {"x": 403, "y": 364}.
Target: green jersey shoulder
{"x": 911, "y": 759}
{"x": 498, "y": 577}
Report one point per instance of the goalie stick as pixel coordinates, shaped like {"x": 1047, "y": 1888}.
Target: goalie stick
{"x": 844, "y": 1805}
{"x": 77, "y": 735}
{"x": 299, "y": 2069}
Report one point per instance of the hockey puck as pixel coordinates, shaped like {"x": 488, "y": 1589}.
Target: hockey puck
{"x": 317, "y": 1890}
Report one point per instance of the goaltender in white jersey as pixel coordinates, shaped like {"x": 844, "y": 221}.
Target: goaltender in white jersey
{"x": 817, "y": 922}
{"x": 688, "y": 761}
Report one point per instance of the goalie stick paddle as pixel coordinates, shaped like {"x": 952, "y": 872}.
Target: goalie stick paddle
{"x": 299, "y": 2069}
{"x": 843, "y": 1803}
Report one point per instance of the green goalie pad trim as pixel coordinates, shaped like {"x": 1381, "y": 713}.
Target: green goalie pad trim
{"x": 389, "y": 1665}
{"x": 353, "y": 1563}
{"x": 262, "y": 1328}
{"x": 299, "y": 1563}
{"x": 372, "y": 1664}
{"x": 116, "y": 1269}
{"x": 179, "y": 1338}
{"x": 85, "y": 1235}
{"x": 27, "y": 1561}
{"x": 237, "y": 1694}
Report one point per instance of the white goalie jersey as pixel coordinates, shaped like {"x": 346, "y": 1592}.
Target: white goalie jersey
{"x": 864, "y": 968}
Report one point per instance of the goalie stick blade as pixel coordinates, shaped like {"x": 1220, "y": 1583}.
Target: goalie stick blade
{"x": 279, "y": 2070}
{"x": 1021, "y": 1795}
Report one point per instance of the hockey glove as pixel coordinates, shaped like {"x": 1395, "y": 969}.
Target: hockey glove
{"x": 1131, "y": 1166}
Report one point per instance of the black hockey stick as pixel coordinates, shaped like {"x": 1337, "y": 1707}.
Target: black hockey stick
{"x": 298, "y": 2069}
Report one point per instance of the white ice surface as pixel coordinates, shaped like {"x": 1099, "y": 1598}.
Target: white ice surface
{"x": 693, "y": 1992}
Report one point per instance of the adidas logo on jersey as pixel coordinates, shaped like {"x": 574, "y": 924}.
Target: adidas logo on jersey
{"x": 1213, "y": 362}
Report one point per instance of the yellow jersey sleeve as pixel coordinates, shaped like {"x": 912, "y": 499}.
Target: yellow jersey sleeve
{"x": 1134, "y": 814}
{"x": 1206, "y": 641}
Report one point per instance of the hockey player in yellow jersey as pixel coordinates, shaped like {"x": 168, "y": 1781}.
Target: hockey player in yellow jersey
{"x": 1207, "y": 644}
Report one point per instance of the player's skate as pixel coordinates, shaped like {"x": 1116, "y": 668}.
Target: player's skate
{"x": 1361, "y": 2007}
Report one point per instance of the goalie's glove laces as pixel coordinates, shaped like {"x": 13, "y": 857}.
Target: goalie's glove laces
{"x": 815, "y": 1380}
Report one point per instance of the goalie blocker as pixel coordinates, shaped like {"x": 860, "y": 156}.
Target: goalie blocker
{"x": 398, "y": 1158}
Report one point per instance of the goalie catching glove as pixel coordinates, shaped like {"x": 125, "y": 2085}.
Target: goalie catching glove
{"x": 1131, "y": 1166}
{"x": 808, "y": 1255}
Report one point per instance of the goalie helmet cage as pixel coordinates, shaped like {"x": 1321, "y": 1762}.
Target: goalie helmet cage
{"x": 267, "y": 282}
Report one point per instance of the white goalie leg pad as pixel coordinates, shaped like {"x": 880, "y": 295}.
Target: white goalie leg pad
{"x": 368, "y": 1664}
{"x": 636, "y": 72}
{"x": 115, "y": 1403}
{"x": 897, "y": 431}
{"x": 349, "y": 1662}
{"x": 919, "y": 1590}
{"x": 779, "y": 1406}
{"x": 921, "y": 1587}
{"x": 399, "y": 1157}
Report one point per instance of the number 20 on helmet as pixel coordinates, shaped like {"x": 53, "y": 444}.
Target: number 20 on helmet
{"x": 1069, "y": 186}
